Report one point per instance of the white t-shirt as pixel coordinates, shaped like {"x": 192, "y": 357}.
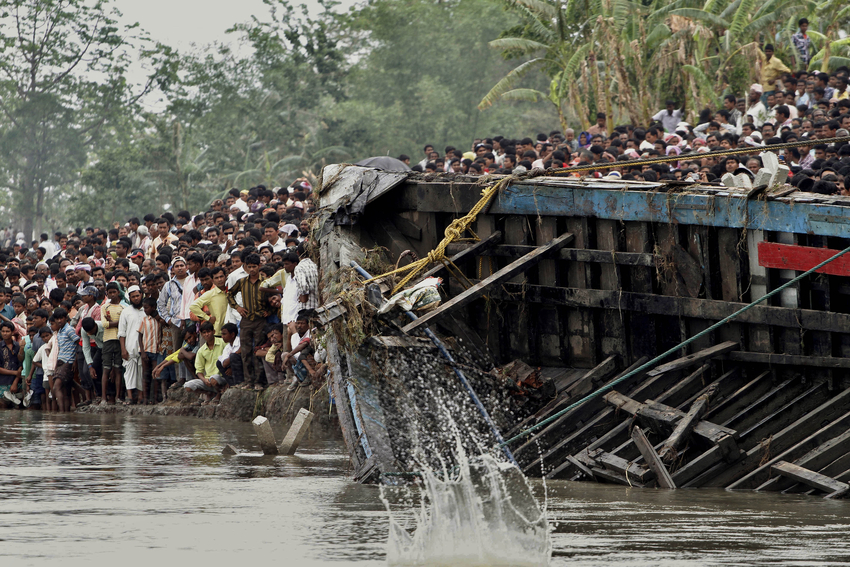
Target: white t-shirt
{"x": 294, "y": 340}
{"x": 228, "y": 350}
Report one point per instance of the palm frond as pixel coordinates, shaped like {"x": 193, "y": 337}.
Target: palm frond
{"x": 541, "y": 7}
{"x": 524, "y": 95}
{"x": 729, "y": 11}
{"x": 701, "y": 16}
{"x": 713, "y": 6}
{"x": 517, "y": 43}
{"x": 832, "y": 46}
{"x": 572, "y": 65}
{"x": 658, "y": 33}
{"x": 739, "y": 22}
{"x": 508, "y": 82}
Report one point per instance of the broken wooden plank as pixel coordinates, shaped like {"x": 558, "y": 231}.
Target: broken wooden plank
{"x": 788, "y": 359}
{"x": 810, "y": 478}
{"x": 665, "y": 387}
{"x": 628, "y": 469}
{"x": 815, "y": 459}
{"x": 580, "y": 466}
{"x": 509, "y": 271}
{"x": 753, "y": 468}
{"x": 471, "y": 251}
{"x": 695, "y": 358}
{"x": 577, "y": 415}
{"x": 615, "y": 478}
{"x": 651, "y": 457}
{"x": 682, "y": 433}
{"x": 666, "y": 417}
{"x": 569, "y": 254}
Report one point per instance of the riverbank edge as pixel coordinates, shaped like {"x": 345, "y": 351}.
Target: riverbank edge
{"x": 276, "y": 403}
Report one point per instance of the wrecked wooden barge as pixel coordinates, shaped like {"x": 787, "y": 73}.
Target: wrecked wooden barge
{"x": 629, "y": 270}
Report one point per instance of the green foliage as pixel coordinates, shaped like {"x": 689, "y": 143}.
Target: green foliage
{"x": 62, "y": 85}
{"x": 382, "y": 78}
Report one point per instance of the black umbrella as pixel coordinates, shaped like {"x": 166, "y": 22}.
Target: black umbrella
{"x": 386, "y": 163}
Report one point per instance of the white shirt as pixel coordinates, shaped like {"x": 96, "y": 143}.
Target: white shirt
{"x": 241, "y": 205}
{"x": 128, "y": 327}
{"x": 49, "y": 250}
{"x": 669, "y": 120}
{"x": 294, "y": 340}
{"x": 233, "y": 316}
{"x": 229, "y": 349}
{"x": 279, "y": 246}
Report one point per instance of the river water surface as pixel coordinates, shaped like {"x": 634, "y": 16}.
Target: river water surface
{"x": 116, "y": 490}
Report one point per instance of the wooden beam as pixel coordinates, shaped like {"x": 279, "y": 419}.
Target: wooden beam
{"x": 695, "y": 358}
{"x": 788, "y": 359}
{"x": 517, "y": 267}
{"x": 810, "y": 478}
{"x": 407, "y": 227}
{"x": 570, "y": 254}
{"x": 628, "y": 469}
{"x": 470, "y": 251}
{"x": 683, "y": 429}
{"x": 798, "y": 437}
{"x": 652, "y": 304}
{"x": 662, "y": 416}
{"x": 802, "y": 258}
{"x": 582, "y": 414}
{"x": 651, "y": 457}
{"x": 816, "y": 459}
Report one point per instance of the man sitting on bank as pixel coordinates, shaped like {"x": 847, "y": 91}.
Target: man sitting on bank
{"x": 209, "y": 380}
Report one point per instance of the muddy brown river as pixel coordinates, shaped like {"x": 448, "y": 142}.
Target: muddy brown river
{"x": 116, "y": 490}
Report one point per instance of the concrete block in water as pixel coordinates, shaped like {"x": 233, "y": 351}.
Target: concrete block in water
{"x": 296, "y": 432}
{"x": 266, "y": 436}
{"x": 229, "y": 450}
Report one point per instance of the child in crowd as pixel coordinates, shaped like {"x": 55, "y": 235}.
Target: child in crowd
{"x": 150, "y": 340}
{"x": 112, "y": 362}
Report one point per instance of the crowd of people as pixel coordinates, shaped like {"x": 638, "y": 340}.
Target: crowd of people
{"x": 205, "y": 302}
{"x": 225, "y": 298}
{"x": 784, "y": 107}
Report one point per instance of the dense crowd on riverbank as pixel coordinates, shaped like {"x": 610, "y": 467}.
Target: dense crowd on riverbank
{"x": 796, "y": 107}
{"x": 204, "y": 302}
{"x": 224, "y": 298}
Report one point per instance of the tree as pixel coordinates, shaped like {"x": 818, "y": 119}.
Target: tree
{"x": 62, "y": 79}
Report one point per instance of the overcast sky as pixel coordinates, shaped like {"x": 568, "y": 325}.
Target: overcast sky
{"x": 182, "y": 23}
{"x": 179, "y": 23}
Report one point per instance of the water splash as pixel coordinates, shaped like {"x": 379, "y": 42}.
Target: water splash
{"x": 482, "y": 513}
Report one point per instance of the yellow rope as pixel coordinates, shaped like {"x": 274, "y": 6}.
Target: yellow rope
{"x": 453, "y": 233}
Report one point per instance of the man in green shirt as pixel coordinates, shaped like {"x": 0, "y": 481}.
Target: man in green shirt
{"x": 208, "y": 377}
{"x": 212, "y": 305}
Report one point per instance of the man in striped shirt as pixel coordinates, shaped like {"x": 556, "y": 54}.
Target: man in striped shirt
{"x": 254, "y": 312}
{"x": 150, "y": 339}
{"x": 66, "y": 341}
